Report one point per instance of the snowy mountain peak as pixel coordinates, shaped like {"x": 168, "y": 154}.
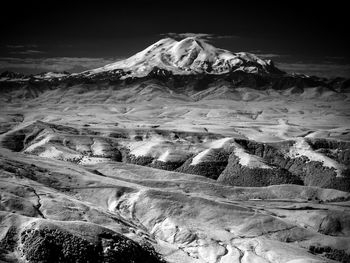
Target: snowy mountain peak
{"x": 188, "y": 56}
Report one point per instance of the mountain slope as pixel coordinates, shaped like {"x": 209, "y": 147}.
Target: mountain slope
{"x": 189, "y": 56}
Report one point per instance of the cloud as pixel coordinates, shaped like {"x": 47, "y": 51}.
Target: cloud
{"x": 317, "y": 69}
{"x": 184, "y": 35}
{"x": 28, "y": 49}
{"x": 270, "y": 55}
{"x": 335, "y": 57}
{"x": 28, "y": 52}
{"x": 225, "y": 36}
{"x": 204, "y": 36}
{"x": 71, "y": 64}
{"x": 15, "y": 46}
{"x": 264, "y": 55}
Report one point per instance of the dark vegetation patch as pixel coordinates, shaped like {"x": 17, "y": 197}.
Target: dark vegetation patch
{"x": 130, "y": 158}
{"x": 53, "y": 245}
{"x": 238, "y": 175}
{"x": 9, "y": 241}
{"x": 56, "y": 245}
{"x": 340, "y": 183}
{"x": 168, "y": 166}
{"x": 119, "y": 249}
{"x": 14, "y": 141}
{"x": 330, "y": 225}
{"x": 193, "y": 137}
{"x": 337, "y": 150}
{"x": 338, "y": 199}
{"x": 312, "y": 173}
{"x": 331, "y": 253}
{"x": 139, "y": 160}
{"x": 210, "y": 169}
{"x": 207, "y": 169}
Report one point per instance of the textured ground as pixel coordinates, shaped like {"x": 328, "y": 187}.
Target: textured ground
{"x": 79, "y": 179}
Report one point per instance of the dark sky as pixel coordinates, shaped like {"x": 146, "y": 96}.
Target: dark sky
{"x": 76, "y": 35}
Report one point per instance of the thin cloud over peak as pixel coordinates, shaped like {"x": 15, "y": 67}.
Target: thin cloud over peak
{"x": 15, "y": 46}
{"x": 317, "y": 69}
{"x": 204, "y": 36}
{"x": 267, "y": 55}
{"x": 71, "y": 64}
{"x": 19, "y": 46}
{"x": 28, "y": 52}
{"x": 270, "y": 55}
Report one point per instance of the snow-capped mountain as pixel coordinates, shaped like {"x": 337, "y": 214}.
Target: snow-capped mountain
{"x": 189, "y": 64}
{"x": 188, "y": 56}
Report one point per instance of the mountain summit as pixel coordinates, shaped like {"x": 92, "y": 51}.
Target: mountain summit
{"x": 188, "y": 56}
